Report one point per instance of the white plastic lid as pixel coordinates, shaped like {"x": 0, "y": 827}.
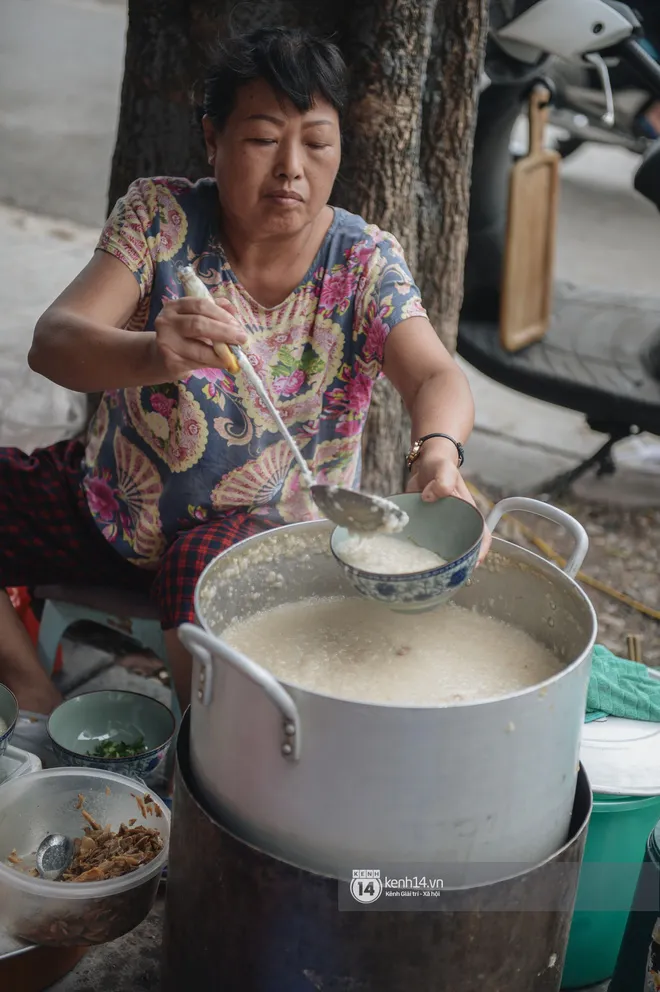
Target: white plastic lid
{"x": 622, "y": 757}
{"x": 16, "y": 762}
{"x": 10, "y": 947}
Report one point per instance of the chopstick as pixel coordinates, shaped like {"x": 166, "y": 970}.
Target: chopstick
{"x": 634, "y": 642}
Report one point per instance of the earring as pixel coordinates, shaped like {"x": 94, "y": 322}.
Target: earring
{"x": 211, "y": 159}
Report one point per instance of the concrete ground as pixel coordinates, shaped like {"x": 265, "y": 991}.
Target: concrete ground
{"x": 60, "y": 78}
{"x": 132, "y": 963}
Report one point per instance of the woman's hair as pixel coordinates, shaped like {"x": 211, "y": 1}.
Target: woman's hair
{"x": 298, "y": 66}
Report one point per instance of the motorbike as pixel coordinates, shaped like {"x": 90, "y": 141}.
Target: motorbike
{"x": 601, "y": 353}
{"x": 584, "y": 110}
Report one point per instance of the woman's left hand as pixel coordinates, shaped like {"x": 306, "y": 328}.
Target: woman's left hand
{"x": 435, "y": 477}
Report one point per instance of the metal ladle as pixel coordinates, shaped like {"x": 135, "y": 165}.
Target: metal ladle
{"x": 54, "y": 855}
{"x": 353, "y": 510}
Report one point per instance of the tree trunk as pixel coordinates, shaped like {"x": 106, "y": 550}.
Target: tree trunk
{"x": 167, "y": 46}
{"x": 449, "y": 118}
{"x": 388, "y": 54}
{"x": 154, "y": 136}
{"x": 414, "y": 67}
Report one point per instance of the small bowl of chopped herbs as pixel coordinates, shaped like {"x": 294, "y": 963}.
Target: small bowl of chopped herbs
{"x": 113, "y": 730}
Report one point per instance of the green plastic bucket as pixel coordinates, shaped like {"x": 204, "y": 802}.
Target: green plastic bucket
{"x": 616, "y": 843}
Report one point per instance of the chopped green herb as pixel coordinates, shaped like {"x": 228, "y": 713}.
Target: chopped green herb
{"x": 119, "y": 749}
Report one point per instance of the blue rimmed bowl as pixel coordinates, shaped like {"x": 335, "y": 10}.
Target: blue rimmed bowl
{"x": 450, "y": 527}
{"x": 80, "y": 724}
{"x": 8, "y": 716}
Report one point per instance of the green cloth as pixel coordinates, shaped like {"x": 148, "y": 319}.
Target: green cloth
{"x": 618, "y": 687}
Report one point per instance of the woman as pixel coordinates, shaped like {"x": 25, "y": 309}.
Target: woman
{"x": 181, "y": 459}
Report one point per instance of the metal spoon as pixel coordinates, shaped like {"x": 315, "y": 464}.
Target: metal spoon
{"x": 344, "y": 507}
{"x": 54, "y": 855}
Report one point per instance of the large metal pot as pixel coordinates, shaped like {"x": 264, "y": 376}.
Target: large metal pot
{"x": 331, "y": 785}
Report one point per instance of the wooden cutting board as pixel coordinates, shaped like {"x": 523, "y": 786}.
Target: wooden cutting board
{"x": 529, "y": 256}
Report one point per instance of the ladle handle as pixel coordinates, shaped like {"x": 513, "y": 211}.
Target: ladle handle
{"x": 553, "y": 513}
{"x": 228, "y": 357}
{"x": 205, "y": 647}
{"x": 259, "y": 385}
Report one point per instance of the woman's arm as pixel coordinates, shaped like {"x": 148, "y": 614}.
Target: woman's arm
{"x": 81, "y": 343}
{"x": 433, "y": 388}
{"x": 439, "y": 400}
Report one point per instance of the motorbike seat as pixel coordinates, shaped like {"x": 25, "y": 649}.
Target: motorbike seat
{"x": 647, "y": 177}
{"x": 647, "y": 182}
{"x": 597, "y": 357}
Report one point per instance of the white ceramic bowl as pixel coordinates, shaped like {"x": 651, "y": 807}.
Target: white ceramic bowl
{"x": 451, "y": 527}
{"x": 70, "y": 913}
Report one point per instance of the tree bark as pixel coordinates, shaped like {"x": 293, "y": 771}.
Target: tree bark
{"x": 167, "y": 47}
{"x": 407, "y": 143}
{"x": 388, "y": 52}
{"x": 155, "y": 131}
{"x": 449, "y": 118}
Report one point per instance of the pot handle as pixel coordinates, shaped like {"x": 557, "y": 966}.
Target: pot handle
{"x": 553, "y": 513}
{"x": 205, "y": 647}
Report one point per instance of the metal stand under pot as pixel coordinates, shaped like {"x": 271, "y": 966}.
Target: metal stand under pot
{"x": 238, "y": 919}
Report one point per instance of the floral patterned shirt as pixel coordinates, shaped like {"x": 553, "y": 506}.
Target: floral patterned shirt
{"x": 160, "y": 459}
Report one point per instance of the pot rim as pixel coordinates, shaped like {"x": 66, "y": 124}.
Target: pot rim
{"x": 498, "y": 544}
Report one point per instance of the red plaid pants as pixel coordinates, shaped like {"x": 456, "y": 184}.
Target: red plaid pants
{"x": 48, "y": 536}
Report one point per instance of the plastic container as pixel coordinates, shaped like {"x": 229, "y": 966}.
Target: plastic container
{"x": 15, "y": 762}
{"x": 67, "y": 913}
{"x": 622, "y": 757}
{"x": 615, "y": 849}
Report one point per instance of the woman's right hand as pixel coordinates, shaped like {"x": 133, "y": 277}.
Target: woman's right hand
{"x": 186, "y": 330}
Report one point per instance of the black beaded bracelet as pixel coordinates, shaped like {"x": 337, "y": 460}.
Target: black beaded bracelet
{"x": 413, "y": 454}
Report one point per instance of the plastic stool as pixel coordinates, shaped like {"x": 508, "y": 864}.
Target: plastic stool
{"x": 130, "y": 614}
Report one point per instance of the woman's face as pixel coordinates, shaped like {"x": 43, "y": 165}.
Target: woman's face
{"x": 275, "y": 167}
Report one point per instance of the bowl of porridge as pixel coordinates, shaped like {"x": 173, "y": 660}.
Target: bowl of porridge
{"x": 422, "y": 566}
